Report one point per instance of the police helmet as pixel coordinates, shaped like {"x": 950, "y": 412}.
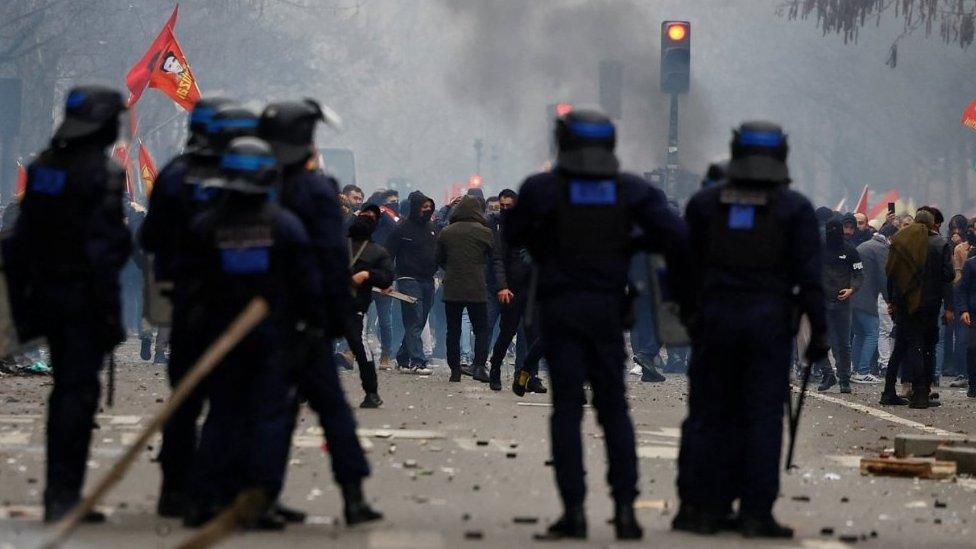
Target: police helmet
{"x": 229, "y": 123}
{"x": 249, "y": 166}
{"x": 201, "y": 116}
{"x": 290, "y": 128}
{"x": 90, "y": 110}
{"x": 759, "y": 151}
{"x": 585, "y": 139}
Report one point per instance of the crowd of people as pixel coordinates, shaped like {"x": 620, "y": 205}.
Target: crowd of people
{"x": 897, "y": 301}
{"x": 556, "y": 271}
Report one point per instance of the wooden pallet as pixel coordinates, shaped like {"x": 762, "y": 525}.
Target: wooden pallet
{"x": 908, "y": 467}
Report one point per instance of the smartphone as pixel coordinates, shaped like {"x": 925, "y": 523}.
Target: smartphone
{"x": 891, "y": 208}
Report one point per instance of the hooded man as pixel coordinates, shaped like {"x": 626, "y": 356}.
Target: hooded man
{"x": 843, "y": 274}
{"x": 413, "y": 247}
{"x": 920, "y": 277}
{"x": 382, "y": 302}
{"x": 371, "y": 267}
{"x": 463, "y": 249}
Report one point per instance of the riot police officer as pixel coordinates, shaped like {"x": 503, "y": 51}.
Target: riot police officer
{"x": 70, "y": 242}
{"x": 246, "y": 246}
{"x": 179, "y": 194}
{"x": 313, "y": 196}
{"x": 757, "y": 266}
{"x": 576, "y": 222}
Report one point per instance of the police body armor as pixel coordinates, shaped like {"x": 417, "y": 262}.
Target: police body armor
{"x": 594, "y": 224}
{"x": 243, "y": 243}
{"x": 745, "y": 233}
{"x": 196, "y": 196}
{"x": 60, "y": 216}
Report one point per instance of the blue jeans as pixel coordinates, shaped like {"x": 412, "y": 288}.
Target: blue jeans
{"x": 414, "y": 317}
{"x": 866, "y": 327}
{"x": 384, "y": 310}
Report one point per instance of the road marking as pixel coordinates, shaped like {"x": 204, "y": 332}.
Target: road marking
{"x": 880, "y": 414}
{"x": 657, "y": 452}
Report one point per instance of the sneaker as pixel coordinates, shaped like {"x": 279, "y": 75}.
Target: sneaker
{"x": 385, "y": 363}
{"x": 845, "y": 387}
{"x": 651, "y": 375}
{"x": 417, "y": 370}
{"x": 959, "y": 383}
{"x": 636, "y": 370}
{"x": 865, "y": 379}
{"x": 145, "y": 352}
{"x": 971, "y": 393}
{"x": 893, "y": 400}
{"x": 535, "y": 386}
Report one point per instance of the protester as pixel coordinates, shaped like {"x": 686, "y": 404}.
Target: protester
{"x": 920, "y": 274}
{"x": 463, "y": 249}
{"x": 843, "y": 274}
{"x": 864, "y": 306}
{"x": 413, "y": 247}
{"x": 371, "y": 267}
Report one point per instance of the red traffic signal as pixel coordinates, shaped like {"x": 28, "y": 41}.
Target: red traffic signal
{"x": 677, "y": 31}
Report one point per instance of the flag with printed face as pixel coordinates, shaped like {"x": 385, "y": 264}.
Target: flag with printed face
{"x": 147, "y": 170}
{"x": 164, "y": 67}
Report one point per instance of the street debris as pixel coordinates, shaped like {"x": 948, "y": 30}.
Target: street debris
{"x": 908, "y": 467}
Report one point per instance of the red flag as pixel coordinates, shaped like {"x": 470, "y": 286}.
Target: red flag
{"x": 21, "y": 181}
{"x": 121, "y": 155}
{"x": 133, "y": 123}
{"x": 862, "y": 202}
{"x": 140, "y": 73}
{"x": 882, "y": 205}
{"x": 969, "y": 116}
{"x": 147, "y": 169}
{"x": 165, "y": 68}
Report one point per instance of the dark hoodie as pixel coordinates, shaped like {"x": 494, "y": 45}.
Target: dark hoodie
{"x": 372, "y": 258}
{"x": 386, "y": 224}
{"x": 842, "y": 267}
{"x": 413, "y": 243}
{"x": 463, "y": 249}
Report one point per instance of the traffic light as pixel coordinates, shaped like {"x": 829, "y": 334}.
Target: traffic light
{"x": 675, "y": 56}
{"x": 559, "y": 110}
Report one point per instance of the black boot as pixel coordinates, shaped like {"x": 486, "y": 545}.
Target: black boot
{"x": 535, "y": 386}
{"x": 763, "y": 527}
{"x": 971, "y": 392}
{"x": 288, "y": 514}
{"x": 170, "y": 504}
{"x": 828, "y": 381}
{"x": 268, "y": 521}
{"x": 920, "y": 398}
{"x": 146, "y": 351}
{"x": 455, "y": 375}
{"x": 371, "y": 400}
{"x": 696, "y": 521}
{"x": 625, "y": 522}
{"x": 892, "y": 399}
{"x": 355, "y": 508}
{"x": 571, "y": 525}
{"x": 478, "y": 373}
{"x": 520, "y": 383}
{"x": 649, "y": 374}
{"x": 55, "y": 511}
{"x": 845, "y": 387}
{"x": 495, "y": 377}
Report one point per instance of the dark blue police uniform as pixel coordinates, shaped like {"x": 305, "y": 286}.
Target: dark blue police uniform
{"x": 69, "y": 245}
{"x": 576, "y": 222}
{"x": 757, "y": 265}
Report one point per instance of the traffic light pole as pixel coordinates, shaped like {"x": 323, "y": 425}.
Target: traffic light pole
{"x": 672, "y": 160}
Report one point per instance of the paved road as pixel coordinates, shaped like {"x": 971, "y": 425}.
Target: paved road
{"x": 482, "y": 464}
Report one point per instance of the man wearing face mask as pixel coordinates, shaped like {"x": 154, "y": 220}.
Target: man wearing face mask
{"x": 371, "y": 267}
{"x": 413, "y": 247}
{"x": 843, "y": 274}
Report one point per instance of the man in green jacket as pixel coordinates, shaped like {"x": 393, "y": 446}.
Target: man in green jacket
{"x": 463, "y": 249}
